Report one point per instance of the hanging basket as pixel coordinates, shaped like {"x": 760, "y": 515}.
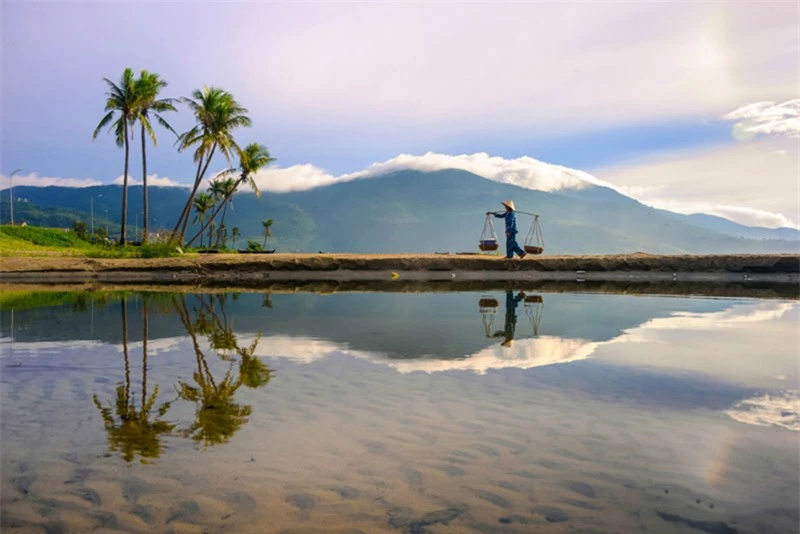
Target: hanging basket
{"x": 534, "y": 242}
{"x": 534, "y": 299}
{"x": 488, "y": 303}
{"x": 488, "y": 241}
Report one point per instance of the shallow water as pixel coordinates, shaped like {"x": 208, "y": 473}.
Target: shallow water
{"x": 377, "y": 412}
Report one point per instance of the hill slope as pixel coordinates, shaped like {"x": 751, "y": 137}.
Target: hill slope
{"x": 411, "y": 211}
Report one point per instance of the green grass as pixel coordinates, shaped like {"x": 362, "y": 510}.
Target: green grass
{"x": 150, "y": 250}
{"x": 43, "y": 237}
{"x": 32, "y": 240}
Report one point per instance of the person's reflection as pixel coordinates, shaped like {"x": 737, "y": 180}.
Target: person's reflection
{"x": 511, "y": 318}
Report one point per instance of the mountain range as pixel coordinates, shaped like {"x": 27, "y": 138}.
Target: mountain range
{"x": 413, "y": 211}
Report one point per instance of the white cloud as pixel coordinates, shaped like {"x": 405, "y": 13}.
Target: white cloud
{"x": 782, "y": 410}
{"x": 525, "y": 353}
{"x": 754, "y": 183}
{"x": 523, "y": 172}
{"x": 725, "y": 344}
{"x": 152, "y": 180}
{"x": 33, "y": 179}
{"x": 766, "y": 118}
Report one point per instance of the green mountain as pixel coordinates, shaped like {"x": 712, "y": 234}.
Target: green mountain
{"x": 412, "y": 211}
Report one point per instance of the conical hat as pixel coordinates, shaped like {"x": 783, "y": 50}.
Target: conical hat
{"x": 509, "y": 204}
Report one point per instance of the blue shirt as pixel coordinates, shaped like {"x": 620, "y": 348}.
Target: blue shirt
{"x": 511, "y": 221}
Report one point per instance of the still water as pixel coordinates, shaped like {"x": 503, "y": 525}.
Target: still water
{"x": 380, "y": 412}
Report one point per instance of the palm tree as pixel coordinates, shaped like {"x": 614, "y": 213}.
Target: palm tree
{"x": 235, "y": 234}
{"x": 217, "y": 113}
{"x": 267, "y": 224}
{"x": 222, "y": 189}
{"x": 121, "y": 99}
{"x": 253, "y": 158}
{"x": 202, "y": 205}
{"x": 147, "y": 87}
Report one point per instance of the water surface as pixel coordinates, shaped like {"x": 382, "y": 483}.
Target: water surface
{"x": 377, "y": 412}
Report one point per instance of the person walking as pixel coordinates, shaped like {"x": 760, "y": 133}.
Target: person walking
{"x": 511, "y": 230}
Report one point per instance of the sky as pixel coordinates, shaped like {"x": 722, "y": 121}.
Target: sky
{"x": 689, "y": 106}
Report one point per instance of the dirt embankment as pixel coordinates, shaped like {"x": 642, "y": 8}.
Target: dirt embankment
{"x": 739, "y": 263}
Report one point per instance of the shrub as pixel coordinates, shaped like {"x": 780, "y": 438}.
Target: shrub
{"x": 79, "y": 228}
{"x": 254, "y": 246}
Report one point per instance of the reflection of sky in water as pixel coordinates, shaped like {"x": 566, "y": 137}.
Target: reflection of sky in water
{"x": 658, "y": 410}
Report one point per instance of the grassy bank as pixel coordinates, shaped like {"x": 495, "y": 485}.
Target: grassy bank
{"x": 32, "y": 241}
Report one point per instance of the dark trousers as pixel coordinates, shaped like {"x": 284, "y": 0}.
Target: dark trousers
{"x": 512, "y": 246}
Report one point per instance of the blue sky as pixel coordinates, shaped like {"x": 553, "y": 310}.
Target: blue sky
{"x": 633, "y": 93}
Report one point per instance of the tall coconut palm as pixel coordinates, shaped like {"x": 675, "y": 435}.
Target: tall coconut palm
{"x": 253, "y": 158}
{"x": 121, "y": 100}
{"x": 217, "y": 113}
{"x": 147, "y": 88}
{"x": 203, "y": 203}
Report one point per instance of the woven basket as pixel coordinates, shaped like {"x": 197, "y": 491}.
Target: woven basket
{"x": 488, "y": 244}
{"x": 533, "y": 250}
{"x": 534, "y": 299}
{"x": 488, "y": 303}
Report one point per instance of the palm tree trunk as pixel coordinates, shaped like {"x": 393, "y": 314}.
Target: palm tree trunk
{"x": 123, "y": 229}
{"x": 144, "y": 188}
{"x": 222, "y": 220}
{"x": 191, "y": 200}
{"x": 215, "y": 213}
{"x": 197, "y": 182}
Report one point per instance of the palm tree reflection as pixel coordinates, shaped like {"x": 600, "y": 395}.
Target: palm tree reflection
{"x": 138, "y": 432}
{"x": 217, "y": 415}
{"x": 133, "y": 431}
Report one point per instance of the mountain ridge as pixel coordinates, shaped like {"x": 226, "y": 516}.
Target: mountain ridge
{"x": 415, "y": 211}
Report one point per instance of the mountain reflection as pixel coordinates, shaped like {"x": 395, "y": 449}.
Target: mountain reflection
{"x": 138, "y": 431}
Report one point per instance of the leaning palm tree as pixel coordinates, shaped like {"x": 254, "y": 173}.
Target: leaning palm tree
{"x": 121, "y": 99}
{"x": 147, "y": 87}
{"x": 203, "y": 203}
{"x": 253, "y": 158}
{"x": 217, "y": 113}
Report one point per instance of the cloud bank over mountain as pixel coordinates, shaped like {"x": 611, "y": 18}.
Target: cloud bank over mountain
{"x": 524, "y": 172}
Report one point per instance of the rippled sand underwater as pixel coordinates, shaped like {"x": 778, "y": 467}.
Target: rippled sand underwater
{"x": 636, "y": 435}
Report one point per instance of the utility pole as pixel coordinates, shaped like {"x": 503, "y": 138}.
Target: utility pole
{"x": 11, "y": 192}
{"x": 91, "y": 209}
